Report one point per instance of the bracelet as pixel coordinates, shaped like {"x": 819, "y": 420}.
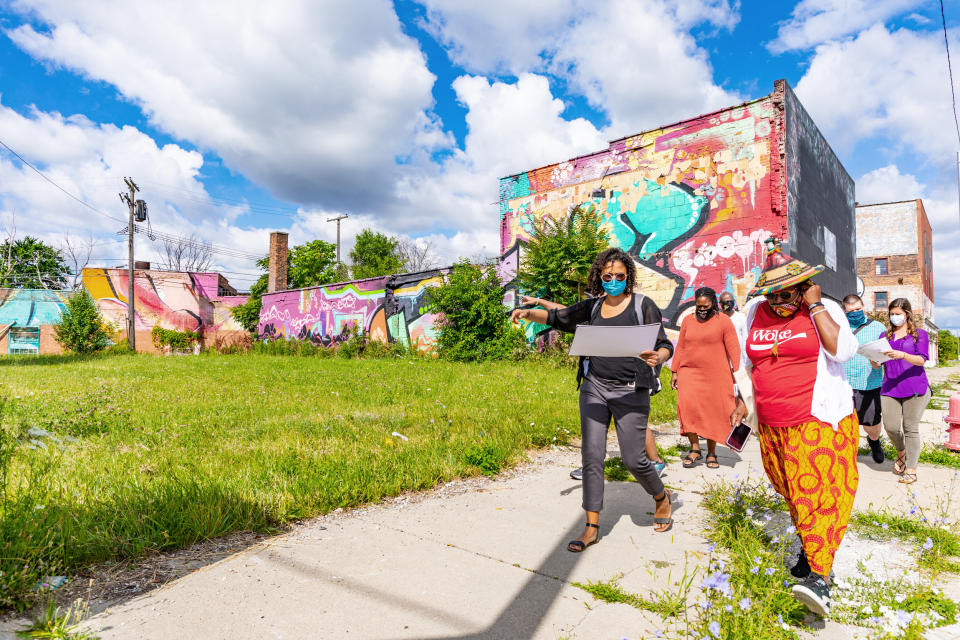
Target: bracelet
{"x": 817, "y": 312}
{"x": 814, "y": 305}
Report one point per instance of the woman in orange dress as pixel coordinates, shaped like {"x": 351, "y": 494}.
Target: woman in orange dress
{"x": 707, "y": 351}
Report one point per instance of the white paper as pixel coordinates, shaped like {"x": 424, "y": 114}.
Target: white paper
{"x": 874, "y": 350}
{"x": 593, "y": 340}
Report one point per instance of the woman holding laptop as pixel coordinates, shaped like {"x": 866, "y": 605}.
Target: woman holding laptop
{"x": 617, "y": 387}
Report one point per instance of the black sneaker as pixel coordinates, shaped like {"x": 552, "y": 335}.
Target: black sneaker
{"x": 802, "y": 569}
{"x": 577, "y": 474}
{"x": 876, "y": 450}
{"x": 814, "y": 593}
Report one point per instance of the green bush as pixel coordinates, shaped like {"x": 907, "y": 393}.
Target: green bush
{"x": 176, "y": 340}
{"x": 81, "y": 328}
{"x": 558, "y": 256}
{"x": 474, "y": 325}
{"x": 948, "y": 346}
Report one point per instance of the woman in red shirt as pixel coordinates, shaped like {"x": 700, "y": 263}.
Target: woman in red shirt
{"x": 796, "y": 346}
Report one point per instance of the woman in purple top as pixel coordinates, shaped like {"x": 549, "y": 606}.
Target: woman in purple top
{"x": 905, "y": 391}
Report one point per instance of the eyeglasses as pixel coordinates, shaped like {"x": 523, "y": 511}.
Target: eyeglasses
{"x": 607, "y": 277}
{"x": 779, "y": 296}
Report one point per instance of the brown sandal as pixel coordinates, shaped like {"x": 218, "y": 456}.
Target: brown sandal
{"x": 902, "y": 462}
{"x": 576, "y": 546}
{"x": 908, "y": 478}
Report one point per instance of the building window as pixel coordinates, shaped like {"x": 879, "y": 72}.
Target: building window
{"x": 880, "y": 300}
{"x": 880, "y": 266}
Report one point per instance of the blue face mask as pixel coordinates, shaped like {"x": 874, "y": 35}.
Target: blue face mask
{"x": 615, "y": 287}
{"x": 856, "y": 318}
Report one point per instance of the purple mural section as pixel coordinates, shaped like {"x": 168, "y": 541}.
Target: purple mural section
{"x": 387, "y": 309}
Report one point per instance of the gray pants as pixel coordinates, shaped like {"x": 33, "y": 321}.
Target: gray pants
{"x": 901, "y": 420}
{"x": 599, "y": 401}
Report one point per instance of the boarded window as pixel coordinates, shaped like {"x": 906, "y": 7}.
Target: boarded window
{"x": 880, "y": 301}
{"x": 23, "y": 341}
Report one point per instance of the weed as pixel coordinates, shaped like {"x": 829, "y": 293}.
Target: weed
{"x": 937, "y": 544}
{"x": 611, "y": 591}
{"x": 57, "y": 624}
{"x": 485, "y": 457}
{"x": 893, "y": 608}
{"x": 615, "y": 471}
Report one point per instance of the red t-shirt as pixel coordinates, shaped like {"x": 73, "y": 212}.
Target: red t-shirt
{"x": 784, "y": 352}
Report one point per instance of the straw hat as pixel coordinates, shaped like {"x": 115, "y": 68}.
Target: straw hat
{"x": 782, "y": 271}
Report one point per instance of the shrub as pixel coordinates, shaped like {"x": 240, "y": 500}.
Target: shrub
{"x": 947, "y": 343}
{"x": 81, "y": 328}
{"x": 558, "y": 256}
{"x": 176, "y": 340}
{"x": 474, "y": 324}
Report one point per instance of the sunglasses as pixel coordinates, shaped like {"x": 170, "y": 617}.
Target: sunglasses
{"x": 780, "y": 296}
{"x": 607, "y": 277}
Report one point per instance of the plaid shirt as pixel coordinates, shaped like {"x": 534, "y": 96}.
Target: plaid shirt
{"x": 860, "y": 374}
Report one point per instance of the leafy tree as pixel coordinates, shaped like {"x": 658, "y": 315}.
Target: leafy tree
{"x": 31, "y": 264}
{"x": 474, "y": 324}
{"x": 375, "y": 254}
{"x": 557, "y": 258}
{"x": 309, "y": 264}
{"x": 81, "y": 328}
{"x": 947, "y": 343}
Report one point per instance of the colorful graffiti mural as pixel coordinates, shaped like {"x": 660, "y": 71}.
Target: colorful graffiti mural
{"x": 693, "y": 202}
{"x": 32, "y": 307}
{"x": 390, "y": 308}
{"x": 170, "y": 299}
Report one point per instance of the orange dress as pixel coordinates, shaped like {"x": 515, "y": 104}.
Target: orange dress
{"x": 702, "y": 361}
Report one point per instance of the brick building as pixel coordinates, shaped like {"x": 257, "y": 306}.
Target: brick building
{"x": 895, "y": 257}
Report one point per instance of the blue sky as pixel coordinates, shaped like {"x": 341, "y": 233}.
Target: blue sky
{"x": 240, "y": 118}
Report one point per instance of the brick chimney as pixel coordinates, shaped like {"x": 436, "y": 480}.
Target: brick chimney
{"x": 277, "y": 271}
{"x": 141, "y": 265}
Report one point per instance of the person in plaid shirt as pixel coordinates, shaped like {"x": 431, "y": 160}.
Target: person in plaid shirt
{"x": 864, "y": 376}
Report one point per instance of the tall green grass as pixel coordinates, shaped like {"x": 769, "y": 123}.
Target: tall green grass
{"x": 111, "y": 457}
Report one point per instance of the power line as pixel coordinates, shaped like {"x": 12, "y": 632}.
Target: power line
{"x": 953, "y": 93}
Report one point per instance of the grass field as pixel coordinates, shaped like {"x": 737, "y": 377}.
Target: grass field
{"x": 113, "y": 456}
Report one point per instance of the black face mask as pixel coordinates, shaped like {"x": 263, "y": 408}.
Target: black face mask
{"x": 704, "y": 314}
{"x": 726, "y": 305}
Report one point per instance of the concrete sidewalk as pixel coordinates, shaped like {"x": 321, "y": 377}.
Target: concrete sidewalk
{"x": 487, "y": 563}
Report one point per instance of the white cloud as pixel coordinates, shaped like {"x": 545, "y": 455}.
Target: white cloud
{"x": 887, "y": 184}
{"x": 883, "y": 83}
{"x": 312, "y": 100}
{"x": 636, "y": 61}
{"x": 815, "y": 21}
{"x": 633, "y": 59}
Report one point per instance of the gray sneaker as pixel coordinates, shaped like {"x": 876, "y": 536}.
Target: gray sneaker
{"x": 577, "y": 474}
{"x": 814, "y": 593}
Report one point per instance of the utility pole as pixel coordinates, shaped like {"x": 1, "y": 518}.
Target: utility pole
{"x": 131, "y": 201}
{"x": 337, "y": 220}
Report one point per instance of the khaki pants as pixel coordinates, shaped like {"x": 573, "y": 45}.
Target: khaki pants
{"x": 901, "y": 420}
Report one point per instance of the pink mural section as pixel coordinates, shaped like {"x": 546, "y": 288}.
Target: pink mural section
{"x": 177, "y": 300}
{"x": 388, "y": 309}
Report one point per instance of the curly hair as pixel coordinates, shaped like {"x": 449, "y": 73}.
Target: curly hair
{"x": 902, "y": 303}
{"x": 710, "y": 294}
{"x": 605, "y": 257}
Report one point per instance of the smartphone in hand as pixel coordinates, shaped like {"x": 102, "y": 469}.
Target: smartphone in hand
{"x": 738, "y": 436}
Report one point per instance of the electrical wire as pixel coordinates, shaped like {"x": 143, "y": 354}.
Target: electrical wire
{"x": 953, "y": 93}
{"x": 169, "y": 237}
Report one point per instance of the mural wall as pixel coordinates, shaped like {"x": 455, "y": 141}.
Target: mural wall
{"x": 27, "y": 320}
{"x": 691, "y": 202}
{"x": 169, "y": 299}
{"x": 389, "y": 309}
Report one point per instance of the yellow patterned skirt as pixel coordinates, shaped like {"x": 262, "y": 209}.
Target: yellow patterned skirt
{"x": 815, "y": 469}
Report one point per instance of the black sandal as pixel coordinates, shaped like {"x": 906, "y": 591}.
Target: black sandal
{"x": 714, "y": 464}
{"x": 690, "y": 461}
{"x": 576, "y": 546}
{"x": 667, "y": 495}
